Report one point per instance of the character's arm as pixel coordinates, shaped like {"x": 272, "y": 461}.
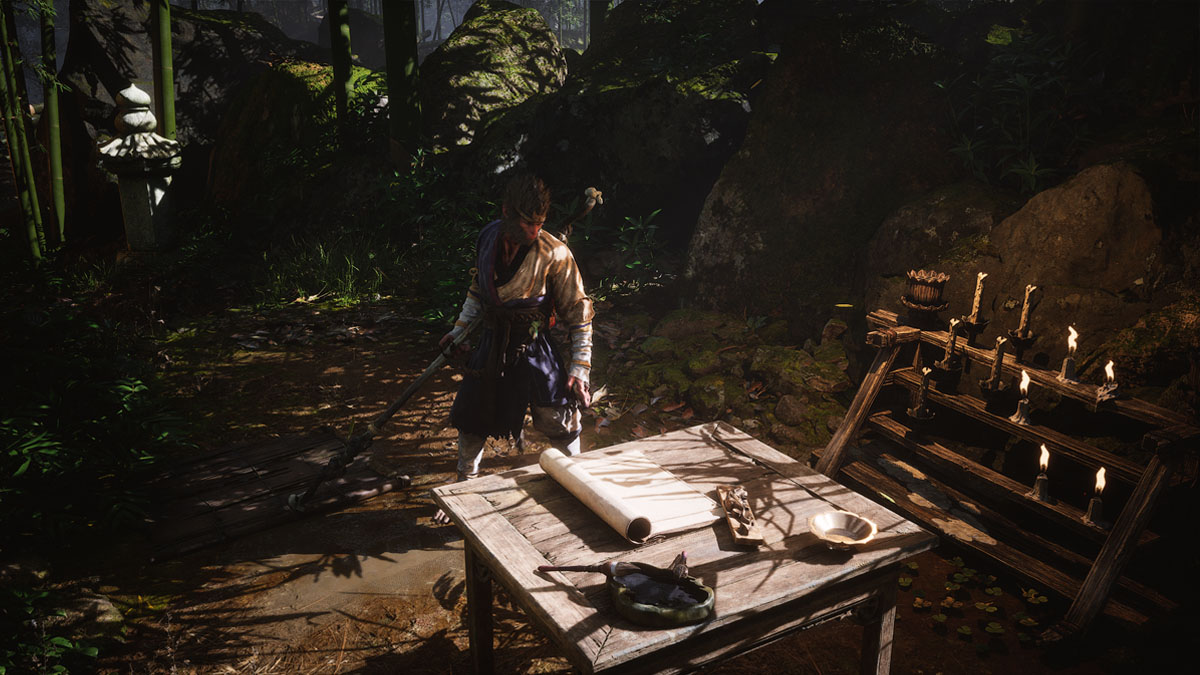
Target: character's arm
{"x": 575, "y": 309}
{"x": 472, "y": 308}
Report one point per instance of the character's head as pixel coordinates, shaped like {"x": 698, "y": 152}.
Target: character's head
{"x": 524, "y": 207}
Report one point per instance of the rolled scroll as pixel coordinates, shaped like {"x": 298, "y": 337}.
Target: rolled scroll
{"x": 635, "y": 496}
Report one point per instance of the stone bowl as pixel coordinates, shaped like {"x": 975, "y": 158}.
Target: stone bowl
{"x": 842, "y": 530}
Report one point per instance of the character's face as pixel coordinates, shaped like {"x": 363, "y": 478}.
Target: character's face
{"x": 520, "y": 230}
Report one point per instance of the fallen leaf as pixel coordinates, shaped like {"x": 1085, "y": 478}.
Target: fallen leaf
{"x": 638, "y": 431}
{"x": 640, "y": 408}
{"x": 687, "y": 413}
{"x": 671, "y": 407}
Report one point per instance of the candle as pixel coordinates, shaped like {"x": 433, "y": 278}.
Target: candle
{"x": 1021, "y": 416}
{"x": 1095, "y": 510}
{"x": 974, "y": 317}
{"x": 1023, "y": 327}
{"x": 919, "y": 410}
{"x": 954, "y": 324}
{"x": 997, "y": 361}
{"x": 1068, "y": 365}
{"x": 1110, "y": 389}
{"x": 1041, "y": 486}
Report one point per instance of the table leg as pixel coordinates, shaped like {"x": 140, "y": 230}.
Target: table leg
{"x": 479, "y": 611}
{"x": 878, "y": 629}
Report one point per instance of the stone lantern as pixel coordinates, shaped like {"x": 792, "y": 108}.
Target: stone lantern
{"x": 143, "y": 162}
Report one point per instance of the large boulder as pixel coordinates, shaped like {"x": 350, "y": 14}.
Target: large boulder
{"x": 276, "y": 139}
{"x": 498, "y": 57}
{"x": 1090, "y": 245}
{"x": 849, "y": 126}
{"x": 653, "y": 110}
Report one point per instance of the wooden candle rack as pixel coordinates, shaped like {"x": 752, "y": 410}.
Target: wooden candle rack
{"x": 1093, "y": 583}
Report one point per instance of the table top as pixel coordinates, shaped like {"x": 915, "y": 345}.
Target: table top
{"x": 520, "y": 519}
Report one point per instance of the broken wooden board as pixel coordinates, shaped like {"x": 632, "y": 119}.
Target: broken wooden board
{"x": 742, "y": 523}
{"x": 243, "y": 489}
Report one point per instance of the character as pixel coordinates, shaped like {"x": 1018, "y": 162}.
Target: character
{"x": 524, "y": 280}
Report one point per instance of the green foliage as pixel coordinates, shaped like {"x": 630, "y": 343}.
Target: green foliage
{"x": 420, "y": 236}
{"x": 1021, "y": 118}
{"x": 80, "y": 426}
{"x": 636, "y": 244}
{"x": 31, "y": 644}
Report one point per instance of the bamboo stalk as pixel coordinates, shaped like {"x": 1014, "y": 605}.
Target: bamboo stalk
{"x": 404, "y": 107}
{"x": 164, "y": 70}
{"x": 339, "y": 42}
{"x": 18, "y": 141}
{"x": 54, "y": 134}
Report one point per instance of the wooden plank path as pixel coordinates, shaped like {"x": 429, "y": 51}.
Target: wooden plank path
{"x": 243, "y": 489}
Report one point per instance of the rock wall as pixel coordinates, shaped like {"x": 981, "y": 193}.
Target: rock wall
{"x": 849, "y": 126}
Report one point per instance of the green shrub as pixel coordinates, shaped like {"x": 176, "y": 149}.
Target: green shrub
{"x": 79, "y": 426}
{"x": 1021, "y": 118}
{"x": 29, "y": 643}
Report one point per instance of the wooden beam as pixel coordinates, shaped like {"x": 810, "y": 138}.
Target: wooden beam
{"x": 834, "y": 453}
{"x": 1086, "y": 454}
{"x": 988, "y": 482}
{"x": 1118, "y": 547}
{"x": 872, "y": 481}
{"x": 1048, "y": 379}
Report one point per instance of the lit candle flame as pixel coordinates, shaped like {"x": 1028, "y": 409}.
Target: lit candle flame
{"x": 926, "y": 370}
{"x": 1099, "y": 481}
{"x": 1109, "y": 373}
{"x": 1044, "y": 459}
{"x": 1024, "y": 382}
{"x": 1071, "y": 344}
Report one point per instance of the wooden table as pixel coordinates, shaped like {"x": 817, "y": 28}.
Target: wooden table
{"x": 515, "y": 521}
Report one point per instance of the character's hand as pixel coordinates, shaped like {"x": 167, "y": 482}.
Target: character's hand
{"x": 580, "y": 390}
{"x": 462, "y": 348}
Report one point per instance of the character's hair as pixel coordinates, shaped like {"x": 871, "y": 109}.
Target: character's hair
{"x": 527, "y": 197}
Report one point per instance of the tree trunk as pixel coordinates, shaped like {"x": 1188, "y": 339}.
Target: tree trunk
{"x": 164, "y": 69}
{"x": 50, "y": 112}
{"x": 339, "y": 41}
{"x": 596, "y": 11}
{"x": 437, "y": 27}
{"x": 404, "y": 106}
{"x": 15, "y": 131}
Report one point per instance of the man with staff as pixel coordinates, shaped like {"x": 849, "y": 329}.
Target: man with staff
{"x": 525, "y": 279}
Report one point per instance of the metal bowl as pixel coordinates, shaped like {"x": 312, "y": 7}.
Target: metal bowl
{"x": 842, "y": 530}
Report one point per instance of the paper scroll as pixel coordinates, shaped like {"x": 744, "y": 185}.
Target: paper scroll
{"x": 635, "y": 496}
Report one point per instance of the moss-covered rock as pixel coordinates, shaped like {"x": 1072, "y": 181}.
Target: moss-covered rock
{"x": 1159, "y": 347}
{"x": 277, "y": 131}
{"x": 703, "y": 363}
{"x": 689, "y": 323}
{"x": 795, "y": 371}
{"x": 775, "y": 333}
{"x": 657, "y": 347}
{"x": 499, "y": 57}
{"x": 832, "y": 352}
{"x": 658, "y": 103}
{"x": 707, "y": 396}
{"x": 673, "y": 376}
{"x": 847, "y": 127}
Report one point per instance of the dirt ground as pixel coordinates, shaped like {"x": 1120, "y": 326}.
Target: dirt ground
{"x": 379, "y": 588}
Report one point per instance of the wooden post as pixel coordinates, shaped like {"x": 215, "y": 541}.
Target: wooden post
{"x": 878, "y": 631}
{"x": 1116, "y": 550}
{"x": 479, "y": 612}
{"x": 832, "y": 457}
